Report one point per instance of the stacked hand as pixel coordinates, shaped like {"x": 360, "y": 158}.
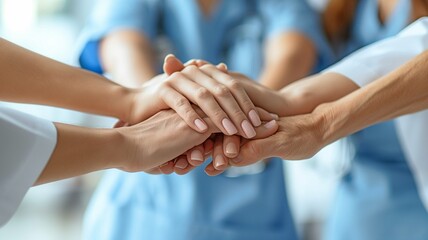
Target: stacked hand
{"x": 229, "y": 128}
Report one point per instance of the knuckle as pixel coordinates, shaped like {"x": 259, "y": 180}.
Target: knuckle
{"x": 218, "y": 114}
{"x": 221, "y": 91}
{"x": 246, "y": 102}
{"x": 207, "y": 66}
{"x": 202, "y": 93}
{"x": 175, "y": 75}
{"x": 234, "y": 84}
{"x": 181, "y": 102}
{"x": 237, "y": 113}
{"x": 190, "y": 69}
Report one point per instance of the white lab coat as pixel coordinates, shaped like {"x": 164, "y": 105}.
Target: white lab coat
{"x": 26, "y": 144}
{"x": 379, "y": 59}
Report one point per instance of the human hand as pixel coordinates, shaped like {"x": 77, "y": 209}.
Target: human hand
{"x": 208, "y": 87}
{"x": 146, "y": 143}
{"x": 228, "y": 147}
{"x": 298, "y": 137}
{"x": 261, "y": 96}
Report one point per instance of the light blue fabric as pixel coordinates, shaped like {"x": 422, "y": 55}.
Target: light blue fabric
{"x": 378, "y": 198}
{"x": 195, "y": 206}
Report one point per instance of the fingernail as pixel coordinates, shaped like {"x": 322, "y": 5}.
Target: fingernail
{"x": 270, "y": 124}
{"x": 254, "y": 117}
{"x": 182, "y": 164}
{"x": 275, "y": 116}
{"x": 219, "y": 162}
{"x": 169, "y": 56}
{"x": 196, "y": 155}
{"x": 248, "y": 129}
{"x": 228, "y": 125}
{"x": 222, "y": 65}
{"x": 201, "y": 125}
{"x": 236, "y": 160}
{"x": 163, "y": 165}
{"x": 231, "y": 149}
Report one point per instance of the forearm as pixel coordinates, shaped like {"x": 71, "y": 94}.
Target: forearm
{"x": 128, "y": 56}
{"x": 306, "y": 94}
{"x": 404, "y": 91}
{"x": 81, "y": 150}
{"x": 300, "y": 97}
{"x": 288, "y": 57}
{"x": 27, "y": 77}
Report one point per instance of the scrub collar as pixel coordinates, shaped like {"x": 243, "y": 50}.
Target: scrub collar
{"x": 368, "y": 28}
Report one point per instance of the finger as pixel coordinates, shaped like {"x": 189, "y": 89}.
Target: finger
{"x": 208, "y": 147}
{"x": 225, "y": 99}
{"x": 220, "y": 161}
{"x": 172, "y": 64}
{"x": 256, "y": 150}
{"x": 199, "y": 63}
{"x": 119, "y": 124}
{"x": 182, "y": 166}
{"x": 183, "y": 108}
{"x": 265, "y": 115}
{"x": 222, "y": 67}
{"x": 237, "y": 90}
{"x": 231, "y": 146}
{"x": 196, "y": 155}
{"x": 154, "y": 171}
{"x": 204, "y": 99}
{"x": 211, "y": 171}
{"x": 168, "y": 167}
{"x": 267, "y": 129}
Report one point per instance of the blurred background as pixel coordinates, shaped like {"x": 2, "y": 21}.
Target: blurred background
{"x": 54, "y": 211}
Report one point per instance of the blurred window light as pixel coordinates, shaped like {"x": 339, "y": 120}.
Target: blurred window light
{"x": 18, "y": 16}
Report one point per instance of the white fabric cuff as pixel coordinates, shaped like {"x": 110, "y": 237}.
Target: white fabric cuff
{"x": 26, "y": 145}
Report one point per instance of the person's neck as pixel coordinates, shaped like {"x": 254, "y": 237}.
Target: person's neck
{"x": 207, "y": 6}
{"x": 386, "y": 8}
{"x": 419, "y": 9}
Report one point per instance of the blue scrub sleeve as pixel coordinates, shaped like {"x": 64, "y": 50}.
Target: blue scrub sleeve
{"x": 111, "y": 15}
{"x": 295, "y": 15}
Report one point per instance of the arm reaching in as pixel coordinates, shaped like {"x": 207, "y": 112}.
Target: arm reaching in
{"x": 141, "y": 147}
{"x": 400, "y": 92}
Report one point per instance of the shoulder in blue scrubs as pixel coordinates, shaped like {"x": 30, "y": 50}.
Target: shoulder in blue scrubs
{"x": 377, "y": 198}
{"x": 195, "y": 206}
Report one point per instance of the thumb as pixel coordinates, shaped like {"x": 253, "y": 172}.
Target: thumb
{"x": 172, "y": 64}
{"x": 255, "y": 150}
{"x": 267, "y": 129}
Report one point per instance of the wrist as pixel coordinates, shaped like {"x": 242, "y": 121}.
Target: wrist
{"x": 119, "y": 146}
{"x": 332, "y": 122}
{"x": 125, "y": 103}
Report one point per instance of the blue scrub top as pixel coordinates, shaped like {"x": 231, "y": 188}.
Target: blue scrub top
{"x": 377, "y": 198}
{"x": 196, "y": 206}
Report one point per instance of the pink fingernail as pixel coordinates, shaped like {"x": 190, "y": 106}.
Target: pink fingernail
{"x": 196, "y": 155}
{"x": 270, "y": 124}
{"x": 254, "y": 117}
{"x": 231, "y": 149}
{"x": 219, "y": 162}
{"x": 228, "y": 125}
{"x": 201, "y": 125}
{"x": 275, "y": 116}
{"x": 248, "y": 129}
{"x": 169, "y": 56}
{"x": 182, "y": 164}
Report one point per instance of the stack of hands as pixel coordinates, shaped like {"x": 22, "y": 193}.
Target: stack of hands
{"x": 206, "y": 111}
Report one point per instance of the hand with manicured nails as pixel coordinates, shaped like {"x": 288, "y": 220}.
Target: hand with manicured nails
{"x": 221, "y": 147}
{"x": 207, "y": 87}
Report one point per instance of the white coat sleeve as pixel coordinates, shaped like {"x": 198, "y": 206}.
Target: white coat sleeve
{"x": 26, "y": 144}
{"x": 379, "y": 59}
